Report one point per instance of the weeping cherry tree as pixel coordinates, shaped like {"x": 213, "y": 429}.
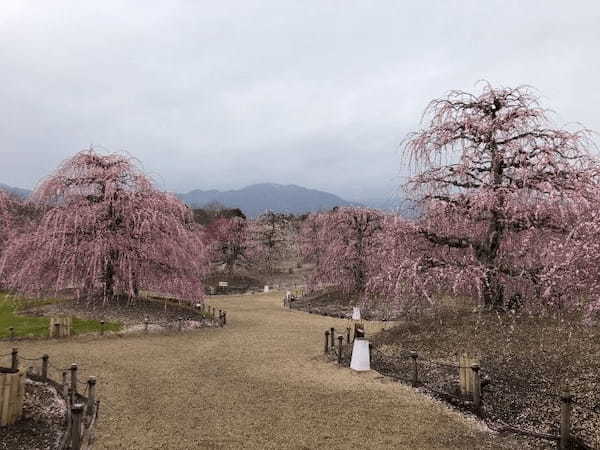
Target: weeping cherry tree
{"x": 106, "y": 231}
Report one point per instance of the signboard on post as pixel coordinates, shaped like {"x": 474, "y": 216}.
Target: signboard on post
{"x": 223, "y": 284}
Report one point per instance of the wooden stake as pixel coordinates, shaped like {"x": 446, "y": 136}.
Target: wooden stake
{"x": 476, "y": 387}
{"x": 415, "y": 377}
{"x": 340, "y": 344}
{"x": 326, "y": 350}
{"x": 73, "y": 370}
{"x": 76, "y": 413}
{"x": 332, "y": 336}
{"x": 45, "y": 366}
{"x": 91, "y": 395}
{"x": 14, "y": 359}
{"x": 65, "y": 385}
{"x": 566, "y": 407}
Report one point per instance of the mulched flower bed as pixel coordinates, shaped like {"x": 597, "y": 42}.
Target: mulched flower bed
{"x": 42, "y": 425}
{"x": 161, "y": 313}
{"x": 525, "y": 362}
{"x": 338, "y": 304}
{"x": 237, "y": 283}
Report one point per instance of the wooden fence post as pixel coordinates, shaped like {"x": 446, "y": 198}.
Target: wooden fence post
{"x": 476, "y": 387}
{"x": 179, "y": 323}
{"x": 370, "y": 352}
{"x": 326, "y": 342}
{"x": 76, "y": 413}
{"x": 45, "y": 366}
{"x": 102, "y": 328}
{"x": 220, "y": 317}
{"x": 14, "y": 363}
{"x": 56, "y": 329}
{"x": 73, "y": 370}
{"x": 91, "y": 395}
{"x": 332, "y": 336}
{"x": 224, "y": 317}
{"x": 415, "y": 377}
{"x": 146, "y": 324}
{"x": 65, "y": 385}
{"x": 566, "y": 407}
{"x": 11, "y": 332}
{"x": 340, "y": 345}
{"x": 348, "y": 335}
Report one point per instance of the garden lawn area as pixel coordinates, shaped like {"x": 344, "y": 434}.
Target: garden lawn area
{"x": 27, "y": 325}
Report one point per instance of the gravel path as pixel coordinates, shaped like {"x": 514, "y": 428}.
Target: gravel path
{"x": 260, "y": 382}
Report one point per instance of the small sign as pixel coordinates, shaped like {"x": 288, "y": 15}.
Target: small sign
{"x": 355, "y": 313}
{"x": 223, "y": 284}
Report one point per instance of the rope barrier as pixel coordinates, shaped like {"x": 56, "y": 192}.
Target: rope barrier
{"x": 436, "y": 391}
{"x": 514, "y": 429}
{"x": 440, "y": 364}
{"x": 401, "y": 357}
{"x": 30, "y": 359}
{"x": 58, "y": 368}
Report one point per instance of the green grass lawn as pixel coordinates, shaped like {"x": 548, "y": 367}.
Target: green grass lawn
{"x": 38, "y": 326}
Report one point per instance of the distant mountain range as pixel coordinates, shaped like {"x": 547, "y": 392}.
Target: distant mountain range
{"x": 23, "y": 193}
{"x": 252, "y": 200}
{"x": 256, "y": 199}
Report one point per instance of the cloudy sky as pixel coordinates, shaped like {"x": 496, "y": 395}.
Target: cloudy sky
{"x": 316, "y": 93}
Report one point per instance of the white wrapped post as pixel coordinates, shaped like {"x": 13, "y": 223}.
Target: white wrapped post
{"x": 360, "y": 356}
{"x": 266, "y": 289}
{"x": 355, "y": 313}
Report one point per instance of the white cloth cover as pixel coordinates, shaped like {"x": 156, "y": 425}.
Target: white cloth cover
{"x": 355, "y": 313}
{"x": 266, "y": 288}
{"x": 360, "y": 355}
{"x": 288, "y": 294}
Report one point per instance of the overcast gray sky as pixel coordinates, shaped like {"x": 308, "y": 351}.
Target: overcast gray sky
{"x": 316, "y": 93}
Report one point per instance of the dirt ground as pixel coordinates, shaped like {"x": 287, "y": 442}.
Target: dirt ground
{"x": 260, "y": 382}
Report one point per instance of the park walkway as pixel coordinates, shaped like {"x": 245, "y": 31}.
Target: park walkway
{"x": 261, "y": 382}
